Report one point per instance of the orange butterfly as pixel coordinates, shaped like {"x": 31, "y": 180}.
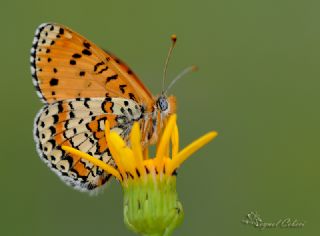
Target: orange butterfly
{"x": 82, "y": 86}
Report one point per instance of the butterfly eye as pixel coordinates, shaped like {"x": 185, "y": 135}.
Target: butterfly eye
{"x": 162, "y": 103}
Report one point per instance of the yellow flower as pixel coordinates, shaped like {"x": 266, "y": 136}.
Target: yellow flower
{"x": 133, "y": 163}
{"x": 151, "y": 205}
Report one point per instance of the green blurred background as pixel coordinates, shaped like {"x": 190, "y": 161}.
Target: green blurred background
{"x": 258, "y": 85}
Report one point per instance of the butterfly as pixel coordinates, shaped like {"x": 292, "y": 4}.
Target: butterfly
{"x": 82, "y": 86}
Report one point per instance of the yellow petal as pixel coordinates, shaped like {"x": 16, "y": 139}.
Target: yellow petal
{"x": 135, "y": 139}
{"x": 108, "y": 168}
{"x": 115, "y": 152}
{"x": 123, "y": 154}
{"x": 175, "y": 141}
{"x": 189, "y": 150}
{"x": 162, "y": 149}
{"x": 128, "y": 161}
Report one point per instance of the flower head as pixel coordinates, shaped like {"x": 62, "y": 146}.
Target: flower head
{"x": 151, "y": 205}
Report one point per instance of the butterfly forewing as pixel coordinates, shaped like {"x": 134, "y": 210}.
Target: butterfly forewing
{"x": 66, "y": 65}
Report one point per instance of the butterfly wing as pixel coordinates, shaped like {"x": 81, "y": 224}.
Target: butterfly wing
{"x": 66, "y": 65}
{"x": 82, "y": 86}
{"x": 80, "y": 123}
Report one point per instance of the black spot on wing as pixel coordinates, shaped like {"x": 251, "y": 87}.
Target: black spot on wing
{"x": 55, "y": 118}
{"x": 86, "y": 45}
{"x": 104, "y": 69}
{"x": 70, "y": 105}
{"x": 52, "y": 130}
{"x": 122, "y": 87}
{"x": 97, "y": 65}
{"x": 130, "y": 111}
{"x": 61, "y": 31}
{"x": 54, "y": 82}
{"x": 86, "y": 52}
{"x": 71, "y": 115}
{"x": 86, "y": 104}
{"x": 132, "y": 97}
{"x": 60, "y": 107}
{"x": 112, "y": 77}
{"x": 76, "y": 55}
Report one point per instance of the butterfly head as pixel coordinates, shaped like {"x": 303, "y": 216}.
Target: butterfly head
{"x": 166, "y": 105}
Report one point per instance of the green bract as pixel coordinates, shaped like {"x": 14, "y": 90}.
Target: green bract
{"x": 151, "y": 205}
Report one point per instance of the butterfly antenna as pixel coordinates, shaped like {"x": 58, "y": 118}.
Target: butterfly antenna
{"x": 173, "y": 40}
{"x": 182, "y": 74}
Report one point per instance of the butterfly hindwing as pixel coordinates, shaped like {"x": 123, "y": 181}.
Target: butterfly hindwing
{"x": 80, "y": 123}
